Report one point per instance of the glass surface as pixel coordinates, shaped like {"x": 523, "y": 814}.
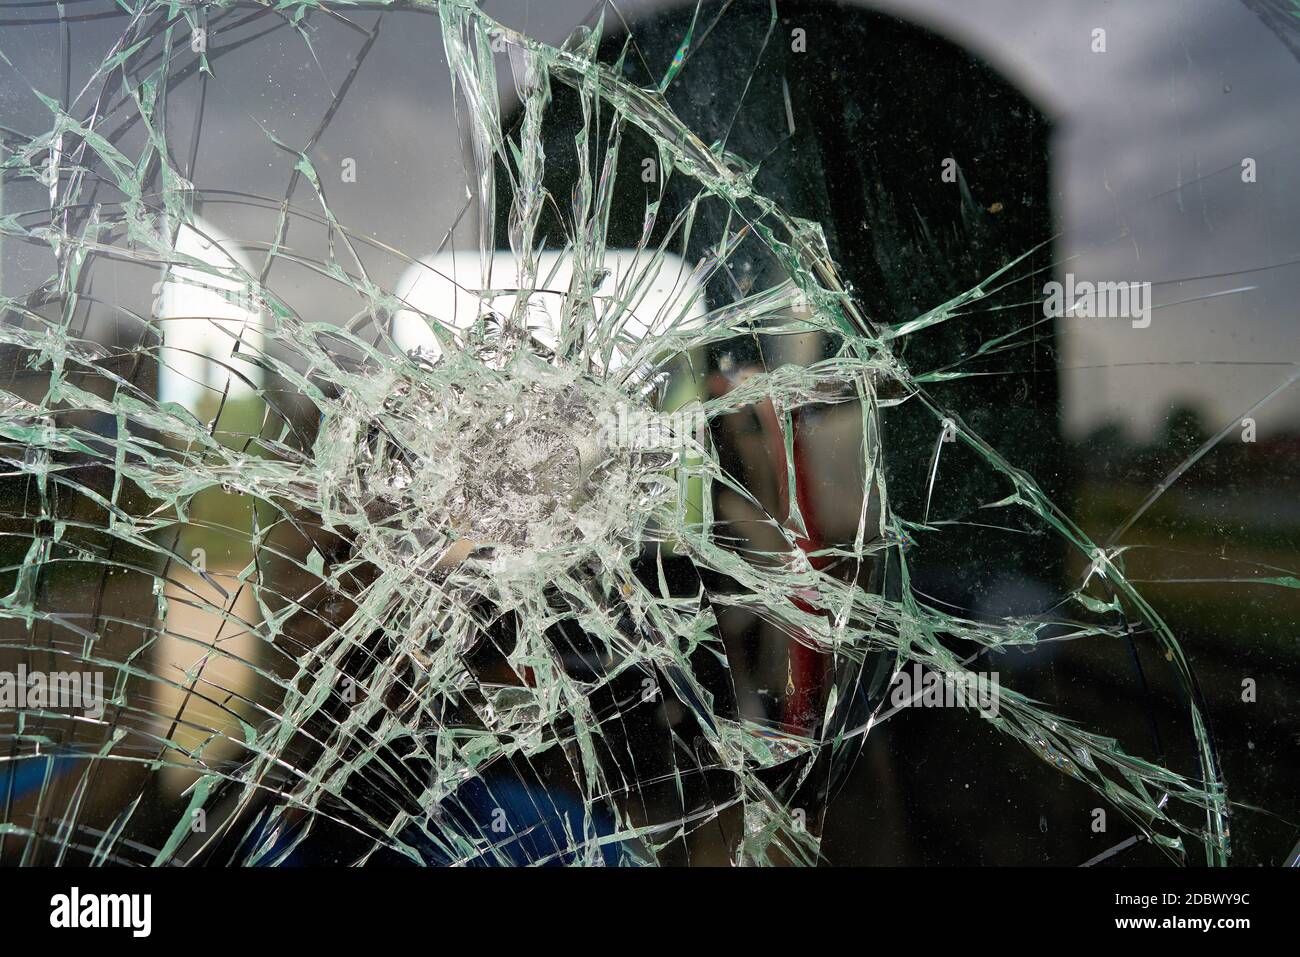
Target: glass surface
{"x": 649, "y": 433}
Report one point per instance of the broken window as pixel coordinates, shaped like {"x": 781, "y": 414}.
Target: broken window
{"x": 454, "y": 433}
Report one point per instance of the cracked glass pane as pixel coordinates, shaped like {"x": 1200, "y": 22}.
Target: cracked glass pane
{"x": 759, "y": 433}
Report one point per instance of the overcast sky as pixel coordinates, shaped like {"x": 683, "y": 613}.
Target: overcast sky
{"x": 1150, "y": 136}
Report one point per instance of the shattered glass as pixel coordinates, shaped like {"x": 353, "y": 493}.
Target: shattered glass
{"x": 439, "y": 435}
